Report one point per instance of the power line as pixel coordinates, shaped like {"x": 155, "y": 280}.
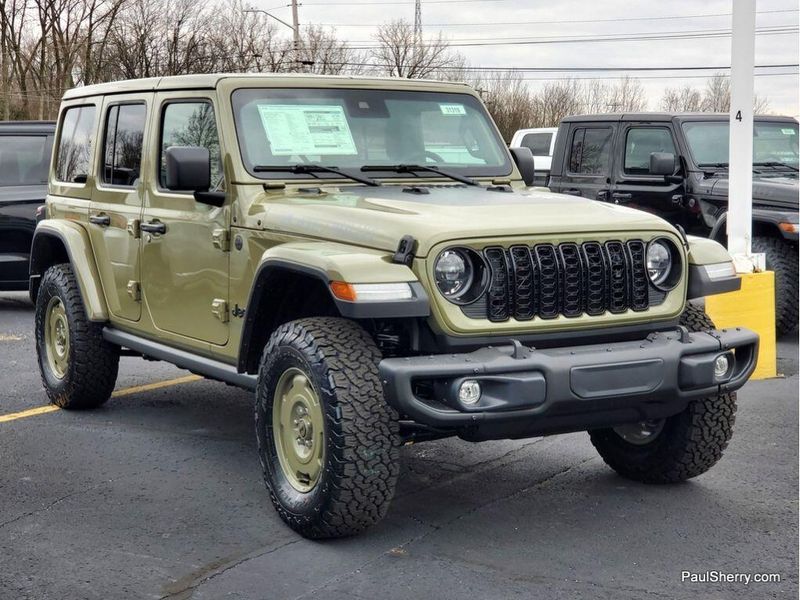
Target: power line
{"x": 569, "y": 21}
{"x": 394, "y": 2}
{"x": 585, "y": 69}
{"x": 640, "y": 37}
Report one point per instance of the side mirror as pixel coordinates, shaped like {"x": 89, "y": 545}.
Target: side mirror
{"x": 523, "y": 157}
{"x": 188, "y": 168}
{"x": 662, "y": 163}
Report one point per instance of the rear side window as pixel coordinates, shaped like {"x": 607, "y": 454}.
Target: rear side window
{"x": 191, "y": 124}
{"x": 590, "y": 151}
{"x": 122, "y": 155}
{"x": 539, "y": 143}
{"x": 75, "y": 145}
{"x": 640, "y": 142}
{"x": 24, "y": 159}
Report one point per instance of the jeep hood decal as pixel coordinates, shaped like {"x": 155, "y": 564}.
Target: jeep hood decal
{"x": 378, "y": 218}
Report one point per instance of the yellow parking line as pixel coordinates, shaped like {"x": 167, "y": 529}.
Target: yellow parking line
{"x": 41, "y": 410}
{"x": 155, "y": 386}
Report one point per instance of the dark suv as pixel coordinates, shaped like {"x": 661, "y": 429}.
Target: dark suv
{"x": 25, "y": 148}
{"x": 676, "y": 166}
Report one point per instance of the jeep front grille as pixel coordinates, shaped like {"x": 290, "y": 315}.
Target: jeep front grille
{"x": 568, "y": 279}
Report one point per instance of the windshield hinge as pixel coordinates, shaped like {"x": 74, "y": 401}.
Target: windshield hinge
{"x": 221, "y": 239}
{"x": 404, "y": 255}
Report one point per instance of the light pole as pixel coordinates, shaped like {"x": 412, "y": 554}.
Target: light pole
{"x": 295, "y": 27}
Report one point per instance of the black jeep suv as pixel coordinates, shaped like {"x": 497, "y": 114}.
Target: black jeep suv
{"x": 25, "y": 149}
{"x": 676, "y": 165}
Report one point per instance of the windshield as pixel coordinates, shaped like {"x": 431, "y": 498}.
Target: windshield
{"x": 773, "y": 142}
{"x": 24, "y": 159}
{"x": 350, "y": 129}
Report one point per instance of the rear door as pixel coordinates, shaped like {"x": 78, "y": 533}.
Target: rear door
{"x": 115, "y": 210}
{"x": 634, "y": 185}
{"x": 588, "y": 161}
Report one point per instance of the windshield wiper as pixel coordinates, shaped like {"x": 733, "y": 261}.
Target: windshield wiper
{"x": 774, "y": 163}
{"x": 717, "y": 165}
{"x": 311, "y": 169}
{"x": 414, "y": 169}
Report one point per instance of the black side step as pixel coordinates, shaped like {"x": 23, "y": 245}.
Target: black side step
{"x": 206, "y": 367}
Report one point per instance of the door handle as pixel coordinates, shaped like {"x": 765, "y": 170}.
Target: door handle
{"x": 602, "y": 195}
{"x": 101, "y": 219}
{"x": 154, "y": 227}
{"x": 617, "y": 196}
{"x": 572, "y": 192}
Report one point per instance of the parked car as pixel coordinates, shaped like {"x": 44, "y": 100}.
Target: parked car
{"x": 541, "y": 142}
{"x": 25, "y": 148}
{"x": 396, "y": 297}
{"x": 676, "y": 166}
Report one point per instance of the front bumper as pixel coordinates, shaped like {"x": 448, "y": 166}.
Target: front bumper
{"x": 533, "y": 392}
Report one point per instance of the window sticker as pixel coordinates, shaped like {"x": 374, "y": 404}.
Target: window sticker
{"x": 453, "y": 109}
{"x": 307, "y": 129}
{"x": 787, "y": 131}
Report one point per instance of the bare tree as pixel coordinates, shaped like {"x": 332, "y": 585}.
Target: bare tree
{"x": 400, "y": 56}
{"x": 508, "y": 99}
{"x": 627, "y": 95}
{"x": 717, "y": 96}
{"x": 682, "y": 99}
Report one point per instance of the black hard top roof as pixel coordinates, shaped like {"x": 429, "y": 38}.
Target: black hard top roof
{"x": 663, "y": 117}
{"x": 27, "y": 126}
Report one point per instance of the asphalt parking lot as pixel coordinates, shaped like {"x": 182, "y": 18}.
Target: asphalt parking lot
{"x": 159, "y": 495}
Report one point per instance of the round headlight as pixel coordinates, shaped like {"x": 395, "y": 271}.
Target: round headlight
{"x": 659, "y": 262}
{"x": 453, "y": 273}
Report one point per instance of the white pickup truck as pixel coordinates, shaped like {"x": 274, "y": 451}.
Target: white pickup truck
{"x": 541, "y": 142}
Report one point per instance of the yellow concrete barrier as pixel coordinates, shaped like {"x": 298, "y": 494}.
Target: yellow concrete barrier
{"x": 753, "y": 307}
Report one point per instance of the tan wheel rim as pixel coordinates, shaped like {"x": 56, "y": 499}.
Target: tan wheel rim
{"x": 56, "y": 337}
{"x": 298, "y": 428}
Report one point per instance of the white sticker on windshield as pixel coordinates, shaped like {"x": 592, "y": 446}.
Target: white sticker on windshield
{"x": 787, "y": 131}
{"x": 307, "y": 129}
{"x": 453, "y": 109}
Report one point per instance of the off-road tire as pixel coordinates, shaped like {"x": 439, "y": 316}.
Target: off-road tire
{"x": 782, "y": 258}
{"x": 92, "y": 362}
{"x": 361, "y": 461}
{"x": 690, "y": 442}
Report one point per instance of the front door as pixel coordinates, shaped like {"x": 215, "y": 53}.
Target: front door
{"x": 184, "y": 272}
{"x": 116, "y": 203}
{"x": 634, "y": 186}
{"x": 587, "y": 171}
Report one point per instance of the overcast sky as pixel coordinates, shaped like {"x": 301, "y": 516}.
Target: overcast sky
{"x": 357, "y": 20}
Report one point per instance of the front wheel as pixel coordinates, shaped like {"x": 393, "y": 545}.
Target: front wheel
{"x": 327, "y": 440}
{"x": 781, "y": 257}
{"x": 679, "y": 447}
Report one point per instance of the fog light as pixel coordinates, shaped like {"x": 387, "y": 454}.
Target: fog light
{"x": 721, "y": 365}
{"x": 469, "y": 392}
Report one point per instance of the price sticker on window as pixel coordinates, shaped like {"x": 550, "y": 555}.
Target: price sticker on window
{"x": 453, "y": 110}
{"x": 787, "y": 131}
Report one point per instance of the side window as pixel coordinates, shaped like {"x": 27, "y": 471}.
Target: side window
{"x": 591, "y": 150}
{"x": 539, "y": 143}
{"x": 191, "y": 124}
{"x": 75, "y": 145}
{"x": 23, "y": 159}
{"x": 123, "y": 144}
{"x": 640, "y": 142}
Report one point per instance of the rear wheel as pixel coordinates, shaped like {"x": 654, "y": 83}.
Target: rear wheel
{"x": 781, "y": 257}
{"x": 679, "y": 447}
{"x": 327, "y": 440}
{"x": 78, "y": 367}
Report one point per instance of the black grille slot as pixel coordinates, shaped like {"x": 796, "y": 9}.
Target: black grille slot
{"x": 596, "y": 278}
{"x": 640, "y": 293}
{"x": 549, "y": 280}
{"x": 570, "y": 280}
{"x": 525, "y": 283}
{"x": 572, "y": 276}
{"x": 498, "y": 305}
{"x": 618, "y": 277}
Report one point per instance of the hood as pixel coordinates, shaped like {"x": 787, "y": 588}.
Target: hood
{"x": 778, "y": 190}
{"x": 380, "y": 217}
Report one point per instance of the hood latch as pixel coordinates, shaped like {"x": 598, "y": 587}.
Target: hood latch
{"x": 404, "y": 255}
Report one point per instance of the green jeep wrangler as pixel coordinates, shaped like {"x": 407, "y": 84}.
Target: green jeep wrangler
{"x": 367, "y": 256}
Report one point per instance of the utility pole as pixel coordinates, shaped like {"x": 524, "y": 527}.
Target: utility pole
{"x": 296, "y": 39}
{"x": 418, "y": 28}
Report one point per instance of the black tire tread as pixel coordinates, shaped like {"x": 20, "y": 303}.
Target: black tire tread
{"x": 782, "y": 258}
{"x": 94, "y": 363}
{"x": 695, "y": 441}
{"x": 367, "y": 443}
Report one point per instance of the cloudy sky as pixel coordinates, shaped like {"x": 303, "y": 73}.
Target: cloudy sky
{"x": 481, "y": 21}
